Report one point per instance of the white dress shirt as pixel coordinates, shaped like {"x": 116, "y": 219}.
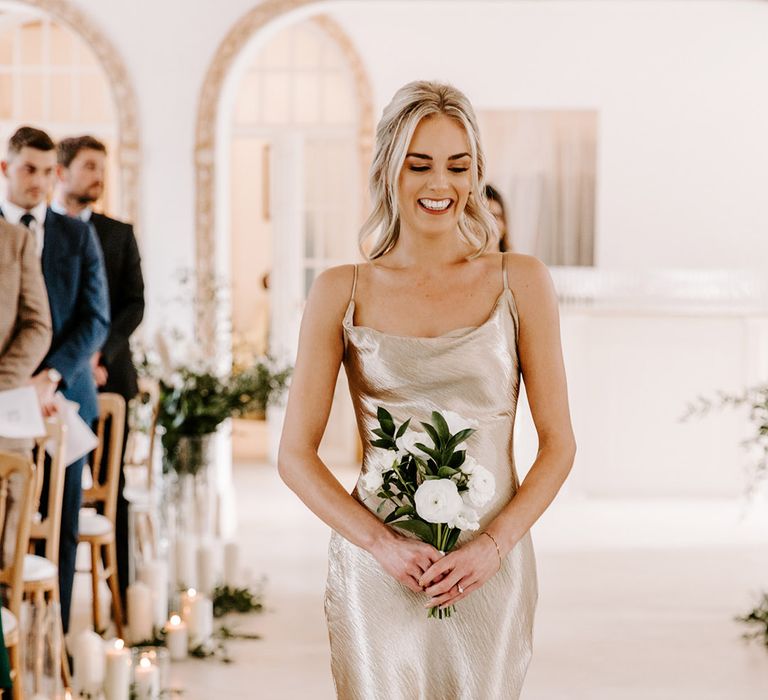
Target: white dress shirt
{"x": 84, "y": 215}
{"x": 13, "y": 214}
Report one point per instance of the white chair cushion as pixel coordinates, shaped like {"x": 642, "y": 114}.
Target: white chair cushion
{"x": 38, "y": 568}
{"x": 94, "y": 524}
{"x": 138, "y": 496}
{"x": 9, "y": 624}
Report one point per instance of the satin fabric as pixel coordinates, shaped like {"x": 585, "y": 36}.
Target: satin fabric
{"x": 383, "y": 646}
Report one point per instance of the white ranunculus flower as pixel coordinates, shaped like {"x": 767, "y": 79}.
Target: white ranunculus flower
{"x": 482, "y": 486}
{"x": 372, "y": 481}
{"x": 380, "y": 461}
{"x": 457, "y": 423}
{"x": 466, "y": 519}
{"x": 469, "y": 466}
{"x": 406, "y": 443}
{"x": 438, "y": 500}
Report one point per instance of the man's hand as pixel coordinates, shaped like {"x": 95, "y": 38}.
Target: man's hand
{"x": 99, "y": 371}
{"x": 46, "y": 391}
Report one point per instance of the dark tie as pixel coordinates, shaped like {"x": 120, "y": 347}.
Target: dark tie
{"x": 27, "y": 219}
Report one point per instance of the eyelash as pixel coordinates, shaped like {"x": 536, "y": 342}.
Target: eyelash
{"x": 424, "y": 168}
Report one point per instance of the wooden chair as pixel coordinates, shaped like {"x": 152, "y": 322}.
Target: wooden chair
{"x": 98, "y": 530}
{"x": 11, "y": 575}
{"x": 141, "y": 496}
{"x": 41, "y": 573}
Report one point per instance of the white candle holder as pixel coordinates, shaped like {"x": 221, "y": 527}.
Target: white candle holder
{"x": 151, "y": 672}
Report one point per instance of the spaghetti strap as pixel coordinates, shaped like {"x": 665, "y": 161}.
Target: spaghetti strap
{"x": 503, "y": 270}
{"x": 354, "y": 285}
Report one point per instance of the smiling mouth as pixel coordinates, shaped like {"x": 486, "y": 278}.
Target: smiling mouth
{"x": 435, "y": 206}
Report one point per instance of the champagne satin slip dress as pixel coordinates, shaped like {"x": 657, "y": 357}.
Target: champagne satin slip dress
{"x": 383, "y": 646}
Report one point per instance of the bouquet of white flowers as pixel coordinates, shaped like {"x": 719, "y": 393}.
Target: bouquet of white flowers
{"x": 436, "y": 490}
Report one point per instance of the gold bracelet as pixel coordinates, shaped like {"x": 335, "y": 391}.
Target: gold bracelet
{"x": 496, "y": 544}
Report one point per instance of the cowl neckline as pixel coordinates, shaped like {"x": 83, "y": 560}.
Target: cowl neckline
{"x": 351, "y": 327}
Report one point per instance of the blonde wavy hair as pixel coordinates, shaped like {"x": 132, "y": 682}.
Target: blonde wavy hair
{"x": 412, "y": 103}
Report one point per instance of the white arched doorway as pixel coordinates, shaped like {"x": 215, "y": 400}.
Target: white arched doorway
{"x": 281, "y": 188}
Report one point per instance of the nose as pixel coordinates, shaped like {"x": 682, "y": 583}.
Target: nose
{"x": 437, "y": 180}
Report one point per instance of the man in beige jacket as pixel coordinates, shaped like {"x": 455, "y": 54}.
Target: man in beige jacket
{"x": 25, "y": 319}
{"x": 25, "y": 336}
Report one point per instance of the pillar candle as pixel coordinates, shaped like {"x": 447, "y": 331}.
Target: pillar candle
{"x": 140, "y": 613}
{"x": 154, "y": 574}
{"x": 146, "y": 678}
{"x": 89, "y": 662}
{"x": 197, "y": 612}
{"x": 117, "y": 683}
{"x": 206, "y": 568}
{"x": 176, "y": 638}
{"x": 231, "y": 564}
{"x": 185, "y": 560}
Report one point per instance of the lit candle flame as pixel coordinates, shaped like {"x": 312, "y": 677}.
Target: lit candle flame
{"x": 191, "y": 592}
{"x": 119, "y": 644}
{"x": 145, "y": 662}
{"x": 175, "y": 620}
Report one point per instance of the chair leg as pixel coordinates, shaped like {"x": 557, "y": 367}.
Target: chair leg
{"x": 95, "y": 562}
{"x": 14, "y": 656}
{"x": 39, "y": 603}
{"x": 117, "y": 604}
{"x": 66, "y": 676}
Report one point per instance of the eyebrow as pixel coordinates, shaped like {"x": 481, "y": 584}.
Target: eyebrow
{"x": 423, "y": 156}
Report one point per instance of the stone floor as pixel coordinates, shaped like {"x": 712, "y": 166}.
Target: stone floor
{"x": 636, "y": 602}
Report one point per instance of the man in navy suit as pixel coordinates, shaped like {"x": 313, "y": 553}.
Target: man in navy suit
{"x": 73, "y": 269}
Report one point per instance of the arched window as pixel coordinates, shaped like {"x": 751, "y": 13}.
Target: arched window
{"x": 51, "y": 79}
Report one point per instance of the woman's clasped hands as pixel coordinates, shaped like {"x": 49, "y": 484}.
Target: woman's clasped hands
{"x": 444, "y": 578}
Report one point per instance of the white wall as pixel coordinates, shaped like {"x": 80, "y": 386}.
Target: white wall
{"x": 683, "y": 152}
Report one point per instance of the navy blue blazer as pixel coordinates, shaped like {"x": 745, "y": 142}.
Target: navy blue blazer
{"x": 73, "y": 268}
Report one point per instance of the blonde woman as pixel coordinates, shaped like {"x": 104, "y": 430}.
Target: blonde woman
{"x": 431, "y": 322}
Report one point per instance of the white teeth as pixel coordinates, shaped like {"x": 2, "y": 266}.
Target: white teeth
{"x": 435, "y": 204}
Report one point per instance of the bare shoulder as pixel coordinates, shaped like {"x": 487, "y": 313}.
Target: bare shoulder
{"x": 528, "y": 275}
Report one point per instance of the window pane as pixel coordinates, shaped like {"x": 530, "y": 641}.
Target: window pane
{"x": 6, "y": 47}
{"x": 306, "y": 98}
{"x": 247, "y": 99}
{"x": 94, "y": 98}
{"x": 61, "y": 98}
{"x": 32, "y": 98}
{"x": 338, "y": 104}
{"x": 277, "y": 53}
{"x": 6, "y": 101}
{"x": 275, "y": 99}
{"x": 306, "y": 49}
{"x": 32, "y": 44}
{"x": 62, "y": 46}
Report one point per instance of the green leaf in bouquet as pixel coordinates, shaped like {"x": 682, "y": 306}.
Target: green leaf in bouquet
{"x": 428, "y": 477}
{"x": 417, "y": 527}
{"x": 386, "y": 421}
{"x": 382, "y": 443}
{"x": 401, "y": 430}
{"x": 441, "y": 426}
{"x": 457, "y": 459}
{"x": 446, "y": 472}
{"x": 384, "y": 415}
{"x": 380, "y": 433}
{"x": 452, "y": 539}
{"x": 460, "y": 437}
{"x": 430, "y": 430}
{"x": 399, "y": 513}
{"x": 434, "y": 454}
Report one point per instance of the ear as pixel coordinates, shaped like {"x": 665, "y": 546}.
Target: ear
{"x": 60, "y": 170}
{"x": 4, "y": 167}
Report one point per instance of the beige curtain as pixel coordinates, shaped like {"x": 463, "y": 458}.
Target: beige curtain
{"x": 543, "y": 163}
